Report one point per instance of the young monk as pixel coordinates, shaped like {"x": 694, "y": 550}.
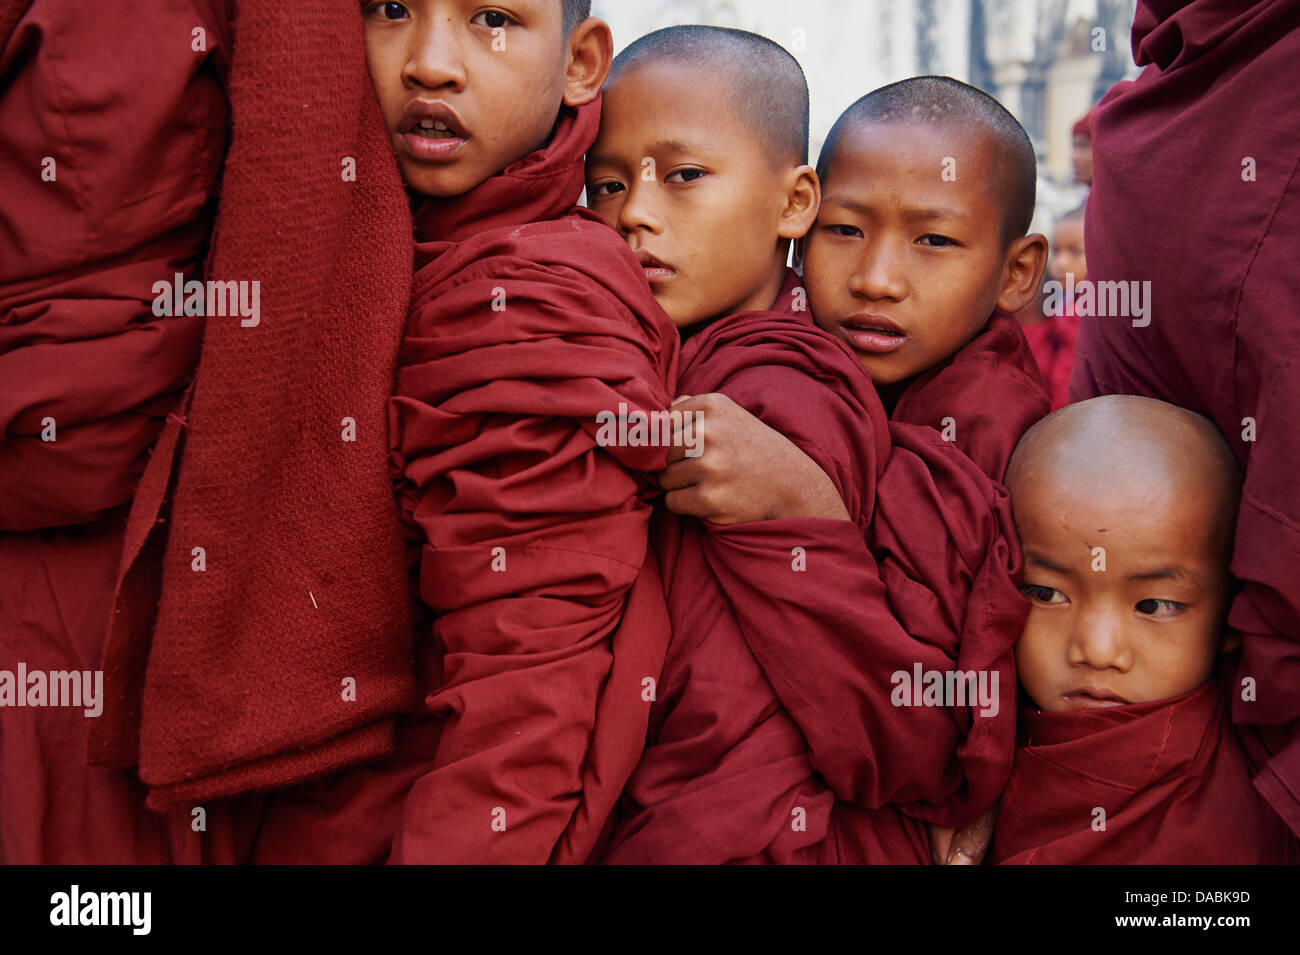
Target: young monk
{"x": 1221, "y": 342}
{"x": 1125, "y": 508}
{"x": 919, "y": 275}
{"x": 529, "y": 318}
{"x": 700, "y": 164}
{"x": 921, "y": 256}
{"x": 1051, "y": 338}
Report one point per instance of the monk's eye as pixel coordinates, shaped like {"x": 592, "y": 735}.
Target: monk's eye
{"x": 1161, "y": 609}
{"x": 936, "y": 241}
{"x": 1043, "y": 595}
{"x": 492, "y": 19}
{"x": 603, "y": 190}
{"x": 685, "y": 175}
{"x": 387, "y": 11}
{"x": 845, "y": 231}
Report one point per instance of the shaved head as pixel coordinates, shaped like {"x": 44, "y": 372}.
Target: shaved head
{"x": 575, "y": 11}
{"x": 944, "y": 102}
{"x": 763, "y": 82}
{"x": 1117, "y": 444}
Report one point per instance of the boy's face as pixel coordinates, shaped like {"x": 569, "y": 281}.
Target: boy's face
{"x": 1067, "y": 251}
{"x": 905, "y": 263}
{"x": 1140, "y": 621}
{"x": 465, "y": 91}
{"x": 691, "y": 191}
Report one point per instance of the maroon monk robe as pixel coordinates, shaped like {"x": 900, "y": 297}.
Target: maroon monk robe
{"x": 1210, "y": 118}
{"x": 1169, "y": 775}
{"x": 939, "y": 544}
{"x": 992, "y": 390}
{"x": 133, "y": 122}
{"x": 530, "y": 318}
{"x": 760, "y": 660}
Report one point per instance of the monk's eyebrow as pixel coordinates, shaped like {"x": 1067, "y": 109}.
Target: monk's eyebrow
{"x": 1040, "y": 561}
{"x": 928, "y": 215}
{"x": 682, "y": 146}
{"x": 662, "y": 146}
{"x": 847, "y": 204}
{"x": 1176, "y": 573}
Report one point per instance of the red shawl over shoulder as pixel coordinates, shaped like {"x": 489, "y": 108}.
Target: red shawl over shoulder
{"x": 234, "y": 675}
{"x": 1210, "y": 119}
{"x": 535, "y": 558}
{"x": 1169, "y": 777}
{"x": 776, "y": 693}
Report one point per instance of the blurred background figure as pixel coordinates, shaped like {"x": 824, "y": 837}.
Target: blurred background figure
{"x": 1051, "y": 336}
{"x": 1081, "y": 154}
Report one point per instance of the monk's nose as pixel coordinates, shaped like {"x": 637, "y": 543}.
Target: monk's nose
{"x": 435, "y": 58}
{"x": 878, "y": 274}
{"x": 1097, "y": 640}
{"x": 638, "y": 211}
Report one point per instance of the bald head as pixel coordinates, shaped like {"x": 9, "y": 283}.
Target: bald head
{"x": 941, "y": 101}
{"x": 574, "y": 12}
{"x": 1116, "y": 446}
{"x": 764, "y": 84}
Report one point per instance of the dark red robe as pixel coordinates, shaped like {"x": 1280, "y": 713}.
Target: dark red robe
{"x": 136, "y": 131}
{"x": 529, "y": 319}
{"x": 1169, "y": 777}
{"x": 774, "y": 737}
{"x": 1197, "y": 193}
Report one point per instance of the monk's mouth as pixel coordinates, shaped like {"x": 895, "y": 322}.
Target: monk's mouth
{"x": 655, "y": 270}
{"x": 431, "y": 129}
{"x": 433, "y": 142}
{"x": 877, "y": 336}
{"x": 1090, "y": 699}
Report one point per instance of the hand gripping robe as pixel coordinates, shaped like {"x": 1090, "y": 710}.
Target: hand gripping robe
{"x": 530, "y": 325}
{"x": 776, "y": 736}
{"x": 1169, "y": 778}
{"x": 1221, "y": 338}
{"x": 111, "y": 144}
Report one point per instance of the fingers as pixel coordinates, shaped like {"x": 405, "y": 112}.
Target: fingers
{"x": 684, "y": 473}
{"x": 940, "y": 842}
{"x": 970, "y": 844}
{"x": 688, "y": 502}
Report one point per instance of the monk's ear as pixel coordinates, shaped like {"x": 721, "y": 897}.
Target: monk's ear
{"x": 803, "y": 197}
{"x": 591, "y": 51}
{"x": 1025, "y": 262}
